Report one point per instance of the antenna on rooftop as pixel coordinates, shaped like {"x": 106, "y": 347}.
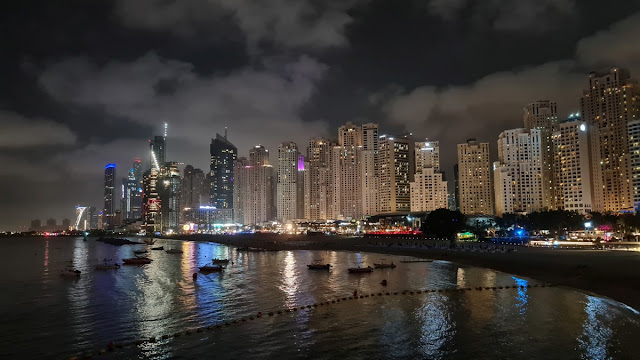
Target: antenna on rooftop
{"x": 225, "y": 132}
{"x": 166, "y": 126}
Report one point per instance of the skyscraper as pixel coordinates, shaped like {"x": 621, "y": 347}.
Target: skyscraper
{"x": 151, "y": 200}
{"x": 320, "y": 179}
{"x": 634, "y": 152}
{"x": 158, "y": 151}
{"x": 429, "y": 188}
{"x": 474, "y": 178}
{"x": 223, "y": 154}
{"x": 302, "y": 197}
{"x": 243, "y": 169}
{"x": 109, "y": 192}
{"x": 195, "y": 191}
{"x": 610, "y": 102}
{"x": 543, "y": 115}
{"x": 168, "y": 187}
{"x": 394, "y": 159}
{"x": 369, "y": 165}
{"x": 427, "y": 155}
{"x": 520, "y": 156}
{"x": 287, "y": 177}
{"x": 572, "y": 165}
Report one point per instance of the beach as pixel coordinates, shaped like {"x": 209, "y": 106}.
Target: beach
{"x": 613, "y": 274}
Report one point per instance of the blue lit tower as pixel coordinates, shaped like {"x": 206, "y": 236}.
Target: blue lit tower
{"x": 223, "y": 155}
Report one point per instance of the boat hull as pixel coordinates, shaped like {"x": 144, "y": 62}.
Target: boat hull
{"x": 319, "y": 266}
{"x": 136, "y": 261}
{"x": 360, "y": 270}
{"x": 210, "y": 268}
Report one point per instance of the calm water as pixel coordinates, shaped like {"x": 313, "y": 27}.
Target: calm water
{"x": 43, "y": 315}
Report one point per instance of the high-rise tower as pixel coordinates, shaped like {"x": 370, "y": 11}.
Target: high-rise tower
{"x": 109, "y": 192}
{"x": 609, "y": 104}
{"x": 223, "y": 154}
{"x": 474, "y": 178}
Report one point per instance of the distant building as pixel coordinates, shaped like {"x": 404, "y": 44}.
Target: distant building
{"x": 287, "y": 177}
{"x": 474, "y": 174}
{"x": 320, "y": 188}
{"x": 151, "y": 200}
{"x": 195, "y": 189}
{"x": 634, "y": 152}
{"x": 428, "y": 191}
{"x": 168, "y": 187}
{"x": 109, "y": 192}
{"x": 223, "y": 154}
{"x": 609, "y": 103}
{"x": 456, "y": 187}
{"x": 519, "y": 161}
{"x": 427, "y": 155}
{"x": 396, "y": 164}
{"x": 543, "y": 115}
{"x": 370, "y": 171}
{"x": 36, "y": 224}
{"x": 572, "y": 159}
{"x": 92, "y": 216}
{"x": 302, "y": 197}
{"x": 51, "y": 223}
{"x": 158, "y": 151}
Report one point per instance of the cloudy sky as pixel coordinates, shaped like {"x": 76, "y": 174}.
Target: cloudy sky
{"x": 84, "y": 83}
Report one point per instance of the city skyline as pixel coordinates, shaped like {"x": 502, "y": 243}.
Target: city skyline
{"x": 69, "y": 110}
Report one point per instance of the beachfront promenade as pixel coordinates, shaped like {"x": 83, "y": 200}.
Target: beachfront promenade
{"x": 612, "y": 273}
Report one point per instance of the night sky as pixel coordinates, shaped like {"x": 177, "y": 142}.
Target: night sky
{"x": 85, "y": 83}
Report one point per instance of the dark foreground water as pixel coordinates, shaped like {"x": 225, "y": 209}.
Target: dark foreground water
{"x": 43, "y": 315}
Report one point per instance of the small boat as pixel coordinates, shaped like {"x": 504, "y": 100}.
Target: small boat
{"x": 137, "y": 261}
{"x": 416, "y": 261}
{"x": 149, "y": 241}
{"x": 107, "y": 266}
{"x": 140, "y": 252}
{"x": 158, "y": 248}
{"x": 173, "y": 251}
{"x": 220, "y": 261}
{"x": 246, "y": 248}
{"x": 71, "y": 273}
{"x": 211, "y": 268}
{"x": 316, "y": 265}
{"x": 359, "y": 269}
{"x": 384, "y": 265}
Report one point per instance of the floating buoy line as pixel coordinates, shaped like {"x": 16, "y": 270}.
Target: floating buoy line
{"x": 114, "y": 346}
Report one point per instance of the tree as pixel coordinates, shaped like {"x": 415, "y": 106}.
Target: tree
{"x": 444, "y": 223}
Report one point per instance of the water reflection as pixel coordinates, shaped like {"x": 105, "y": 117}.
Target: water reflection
{"x": 522, "y": 297}
{"x": 289, "y": 279}
{"x": 596, "y": 335}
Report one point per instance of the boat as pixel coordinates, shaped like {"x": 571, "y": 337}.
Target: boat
{"x": 416, "y": 261}
{"x": 359, "y": 269}
{"x": 211, "y": 268}
{"x": 384, "y": 265}
{"x": 246, "y": 248}
{"x": 150, "y": 241}
{"x": 71, "y": 273}
{"x": 139, "y": 252}
{"x": 137, "y": 261}
{"x": 116, "y": 241}
{"x": 220, "y": 261}
{"x": 316, "y": 265}
{"x": 158, "y": 248}
{"x": 173, "y": 251}
{"x": 107, "y": 266}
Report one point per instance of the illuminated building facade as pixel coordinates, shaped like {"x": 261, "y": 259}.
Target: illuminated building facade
{"x": 429, "y": 189}
{"x": 369, "y": 167}
{"x": 287, "y": 190}
{"x": 634, "y": 154}
{"x": 320, "y": 180}
{"x": 168, "y": 187}
{"x": 396, "y": 165}
{"x": 109, "y": 192}
{"x": 610, "y": 102}
{"x": 223, "y": 155}
{"x": 474, "y": 178}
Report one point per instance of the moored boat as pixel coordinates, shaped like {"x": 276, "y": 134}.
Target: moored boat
{"x": 211, "y": 268}
{"x": 317, "y": 265}
{"x": 173, "y": 251}
{"x": 358, "y": 269}
{"x": 220, "y": 261}
{"x": 140, "y": 252}
{"x": 384, "y": 265}
{"x": 71, "y": 273}
{"x": 158, "y": 248}
{"x": 107, "y": 266}
{"x": 137, "y": 261}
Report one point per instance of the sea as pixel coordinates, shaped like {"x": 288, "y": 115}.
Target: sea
{"x": 268, "y": 305}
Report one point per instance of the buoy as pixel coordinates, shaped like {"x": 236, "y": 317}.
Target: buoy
{"x": 195, "y": 276}
{"x": 383, "y": 283}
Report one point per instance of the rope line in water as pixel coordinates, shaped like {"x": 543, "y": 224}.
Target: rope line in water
{"x": 120, "y": 345}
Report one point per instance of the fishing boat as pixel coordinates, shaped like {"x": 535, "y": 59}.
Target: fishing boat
{"x": 107, "y": 266}
{"x": 416, "y": 261}
{"x": 137, "y": 261}
{"x": 220, "y": 261}
{"x": 211, "y": 268}
{"x": 384, "y": 265}
{"x": 140, "y": 252}
{"x": 173, "y": 251}
{"x": 71, "y": 273}
{"x": 317, "y": 265}
{"x": 158, "y": 248}
{"x": 359, "y": 269}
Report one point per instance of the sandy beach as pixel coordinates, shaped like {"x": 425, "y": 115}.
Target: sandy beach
{"x": 613, "y": 274}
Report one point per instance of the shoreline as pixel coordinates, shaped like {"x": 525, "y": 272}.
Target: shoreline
{"x": 613, "y": 274}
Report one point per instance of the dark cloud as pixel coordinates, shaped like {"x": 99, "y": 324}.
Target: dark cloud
{"x": 21, "y": 132}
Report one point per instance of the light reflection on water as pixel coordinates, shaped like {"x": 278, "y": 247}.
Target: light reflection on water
{"x": 67, "y": 316}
